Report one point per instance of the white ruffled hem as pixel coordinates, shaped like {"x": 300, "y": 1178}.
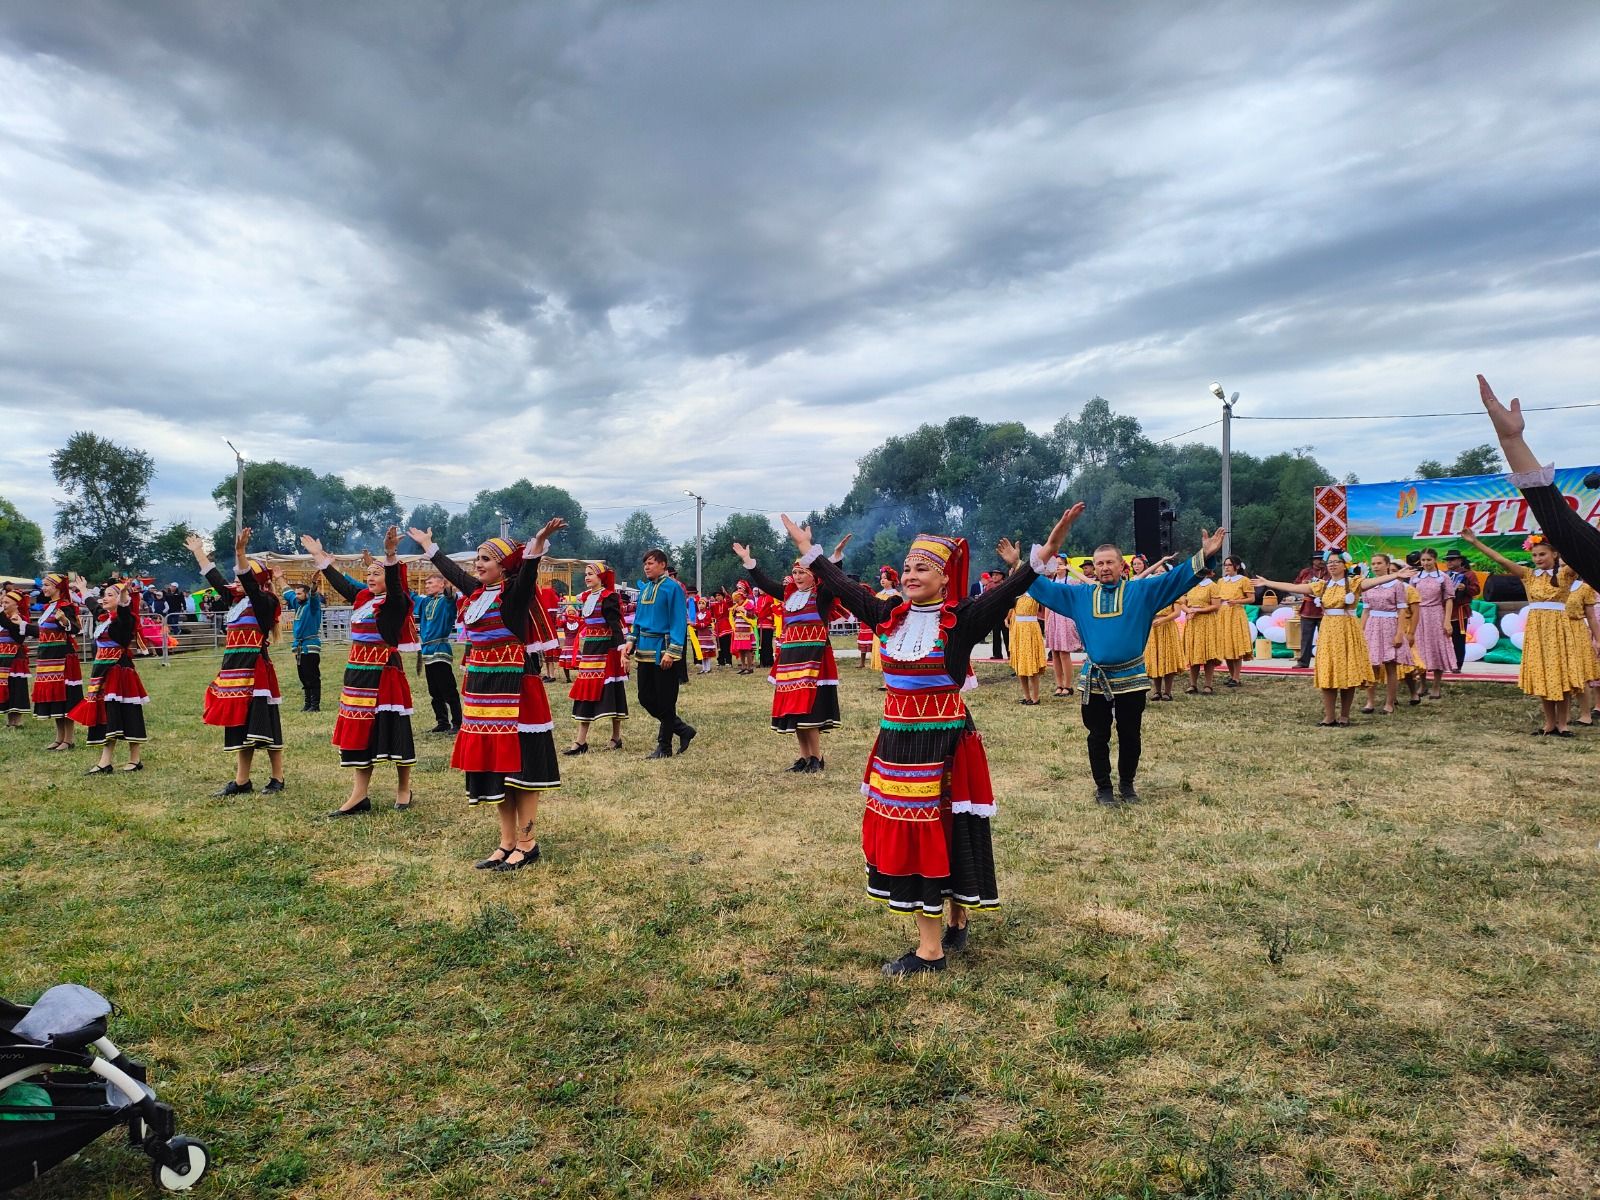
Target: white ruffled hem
{"x": 545, "y": 728}
{"x": 403, "y": 710}
{"x": 127, "y": 699}
{"x": 978, "y": 810}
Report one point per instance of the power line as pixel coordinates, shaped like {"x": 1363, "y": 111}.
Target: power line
{"x": 1411, "y": 416}
{"x": 1187, "y": 432}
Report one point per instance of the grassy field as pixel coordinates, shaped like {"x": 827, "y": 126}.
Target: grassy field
{"x": 1352, "y": 963}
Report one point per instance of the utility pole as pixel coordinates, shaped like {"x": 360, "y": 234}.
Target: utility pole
{"x": 1227, "y": 464}
{"x": 238, "y": 489}
{"x": 699, "y": 541}
{"x": 505, "y": 525}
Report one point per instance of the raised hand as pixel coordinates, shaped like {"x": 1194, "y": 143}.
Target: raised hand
{"x": 1010, "y": 553}
{"x": 1058, "y": 533}
{"x": 1210, "y": 543}
{"x": 843, "y": 542}
{"x": 366, "y": 559}
{"x": 743, "y": 552}
{"x": 241, "y": 543}
{"x": 541, "y": 540}
{"x": 1508, "y": 422}
{"x": 312, "y": 546}
{"x": 800, "y": 535}
{"x": 391, "y": 540}
{"x": 197, "y": 547}
{"x": 423, "y": 538}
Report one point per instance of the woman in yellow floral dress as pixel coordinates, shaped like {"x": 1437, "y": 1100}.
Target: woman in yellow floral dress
{"x": 1163, "y": 653}
{"x": 1544, "y": 672}
{"x": 1027, "y": 646}
{"x": 1342, "y": 663}
{"x": 1583, "y": 645}
{"x": 1234, "y": 591}
{"x": 1202, "y": 631}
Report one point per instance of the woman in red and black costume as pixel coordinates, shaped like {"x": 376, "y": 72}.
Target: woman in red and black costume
{"x": 244, "y": 698}
{"x": 374, "y": 722}
{"x": 112, "y": 708}
{"x": 805, "y": 677}
{"x": 57, "y": 677}
{"x": 601, "y": 689}
{"x": 925, "y": 834}
{"x": 506, "y": 746}
{"x": 14, "y": 675}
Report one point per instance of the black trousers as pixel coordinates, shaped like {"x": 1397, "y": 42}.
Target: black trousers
{"x": 1126, "y": 712}
{"x": 658, "y": 696}
{"x": 725, "y": 650}
{"x": 442, "y": 692}
{"x": 308, "y": 665}
{"x": 766, "y": 647}
{"x": 1308, "y": 634}
{"x": 1002, "y": 640}
{"x": 1458, "y": 639}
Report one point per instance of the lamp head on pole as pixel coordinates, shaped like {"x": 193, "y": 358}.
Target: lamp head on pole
{"x": 1216, "y": 390}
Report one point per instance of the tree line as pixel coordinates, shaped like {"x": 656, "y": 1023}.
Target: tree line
{"x": 965, "y": 476}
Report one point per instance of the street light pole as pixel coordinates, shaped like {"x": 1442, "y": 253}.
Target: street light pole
{"x": 505, "y": 525}
{"x": 238, "y": 489}
{"x": 699, "y": 552}
{"x": 1227, "y": 464}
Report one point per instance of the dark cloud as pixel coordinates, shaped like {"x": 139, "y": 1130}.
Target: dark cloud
{"x": 485, "y": 239}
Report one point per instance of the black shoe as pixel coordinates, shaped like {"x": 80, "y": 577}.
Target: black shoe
{"x": 909, "y": 964}
{"x": 492, "y": 863}
{"x": 574, "y": 751}
{"x": 235, "y": 789}
{"x": 314, "y": 708}
{"x": 441, "y": 727}
{"x": 529, "y": 857}
{"x": 955, "y": 939}
{"x": 273, "y": 787}
{"x": 363, "y": 805}
{"x": 660, "y": 752}
{"x": 1103, "y": 795}
{"x": 137, "y": 766}
{"x": 801, "y": 765}
{"x": 1126, "y": 794}
{"x": 686, "y": 737}
{"x": 614, "y": 744}
{"x": 105, "y": 770}
{"x": 813, "y": 766}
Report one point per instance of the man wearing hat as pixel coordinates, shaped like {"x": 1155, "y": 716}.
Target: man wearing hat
{"x": 1310, "y": 610}
{"x": 1467, "y": 589}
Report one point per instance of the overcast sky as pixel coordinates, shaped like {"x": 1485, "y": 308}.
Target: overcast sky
{"x": 629, "y": 248}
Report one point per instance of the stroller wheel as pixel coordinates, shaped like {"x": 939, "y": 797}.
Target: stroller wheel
{"x": 193, "y": 1160}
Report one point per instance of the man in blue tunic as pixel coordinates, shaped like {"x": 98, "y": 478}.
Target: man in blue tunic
{"x": 436, "y": 626}
{"x": 1113, "y": 616}
{"x": 655, "y": 643}
{"x": 305, "y": 602}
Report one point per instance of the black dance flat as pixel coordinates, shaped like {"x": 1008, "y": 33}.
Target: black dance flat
{"x": 138, "y": 766}
{"x": 909, "y": 964}
{"x": 955, "y": 939}
{"x": 105, "y": 770}
{"x": 801, "y": 765}
{"x": 529, "y": 857}
{"x": 363, "y": 805}
{"x": 235, "y": 789}
{"x": 492, "y": 863}
{"x": 273, "y": 787}
{"x": 574, "y": 751}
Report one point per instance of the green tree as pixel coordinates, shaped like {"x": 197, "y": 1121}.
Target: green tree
{"x": 427, "y": 516}
{"x": 21, "y": 542}
{"x": 101, "y": 527}
{"x": 722, "y": 569}
{"x": 282, "y": 501}
{"x": 624, "y": 550}
{"x": 169, "y": 560}
{"x": 1475, "y": 460}
{"x": 528, "y": 506}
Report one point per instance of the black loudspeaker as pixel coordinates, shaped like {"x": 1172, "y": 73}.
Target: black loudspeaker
{"x": 1152, "y": 527}
{"x": 1503, "y": 589}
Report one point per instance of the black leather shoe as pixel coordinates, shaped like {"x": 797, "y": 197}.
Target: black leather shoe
{"x": 273, "y": 786}
{"x": 1103, "y": 795}
{"x": 813, "y": 766}
{"x": 234, "y": 789}
{"x": 492, "y": 863}
{"x": 574, "y": 751}
{"x": 441, "y": 728}
{"x": 955, "y": 939}
{"x": 106, "y": 770}
{"x": 660, "y": 752}
{"x": 686, "y": 737}
{"x": 801, "y": 765}
{"x": 909, "y": 964}
{"x": 1126, "y": 794}
{"x": 529, "y": 857}
{"x": 363, "y": 805}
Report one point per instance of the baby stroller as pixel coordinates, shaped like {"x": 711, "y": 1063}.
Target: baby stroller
{"x": 63, "y": 1084}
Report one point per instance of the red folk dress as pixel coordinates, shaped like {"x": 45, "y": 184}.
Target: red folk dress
{"x": 112, "y": 708}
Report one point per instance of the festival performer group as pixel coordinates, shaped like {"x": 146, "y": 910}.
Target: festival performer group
{"x": 929, "y": 801}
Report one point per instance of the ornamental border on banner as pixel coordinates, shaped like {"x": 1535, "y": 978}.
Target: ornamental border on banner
{"x": 1332, "y": 518}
